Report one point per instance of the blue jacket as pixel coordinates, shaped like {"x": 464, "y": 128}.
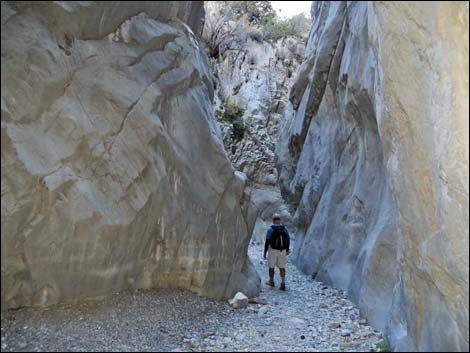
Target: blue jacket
{"x": 269, "y": 234}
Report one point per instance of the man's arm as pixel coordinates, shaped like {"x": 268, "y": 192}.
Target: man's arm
{"x": 266, "y": 243}
{"x": 288, "y": 239}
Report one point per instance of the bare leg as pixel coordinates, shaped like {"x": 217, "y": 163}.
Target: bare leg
{"x": 271, "y": 277}
{"x": 283, "y": 278}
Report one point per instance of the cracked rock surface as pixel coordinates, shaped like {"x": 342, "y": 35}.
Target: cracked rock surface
{"x": 113, "y": 169}
{"x": 373, "y": 160}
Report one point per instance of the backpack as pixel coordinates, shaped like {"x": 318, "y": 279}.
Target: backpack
{"x": 279, "y": 238}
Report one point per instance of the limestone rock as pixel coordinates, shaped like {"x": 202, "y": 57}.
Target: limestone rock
{"x": 261, "y": 91}
{"x": 263, "y": 310}
{"x": 114, "y": 174}
{"x": 256, "y": 79}
{"x": 373, "y": 158}
{"x": 239, "y": 301}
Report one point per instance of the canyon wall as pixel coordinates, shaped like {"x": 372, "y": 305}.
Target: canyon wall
{"x": 373, "y": 160}
{"x": 253, "y": 77}
{"x": 113, "y": 169}
{"x": 257, "y": 80}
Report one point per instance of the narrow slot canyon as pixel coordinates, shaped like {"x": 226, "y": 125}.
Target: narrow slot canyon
{"x": 146, "y": 147}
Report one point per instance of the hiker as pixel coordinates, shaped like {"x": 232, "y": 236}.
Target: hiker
{"x": 277, "y": 244}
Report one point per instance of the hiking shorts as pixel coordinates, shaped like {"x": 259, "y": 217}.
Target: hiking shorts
{"x": 277, "y": 258}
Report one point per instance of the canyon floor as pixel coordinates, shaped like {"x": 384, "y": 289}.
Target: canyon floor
{"x": 309, "y": 316}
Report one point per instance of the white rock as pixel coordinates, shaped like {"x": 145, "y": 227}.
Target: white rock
{"x": 239, "y": 301}
{"x": 263, "y": 310}
{"x": 87, "y": 141}
{"x": 297, "y": 321}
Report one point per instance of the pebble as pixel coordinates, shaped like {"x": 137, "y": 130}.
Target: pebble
{"x": 240, "y": 337}
{"x": 263, "y": 310}
{"x": 23, "y": 345}
{"x": 296, "y": 321}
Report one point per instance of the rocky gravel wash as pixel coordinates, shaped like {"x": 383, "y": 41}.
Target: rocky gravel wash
{"x": 309, "y": 316}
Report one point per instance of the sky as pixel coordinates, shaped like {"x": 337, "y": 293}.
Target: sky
{"x": 291, "y": 8}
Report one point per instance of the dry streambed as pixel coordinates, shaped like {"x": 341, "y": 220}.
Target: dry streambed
{"x": 308, "y": 317}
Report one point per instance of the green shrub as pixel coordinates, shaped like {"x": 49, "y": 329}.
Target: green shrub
{"x": 276, "y": 29}
{"x": 232, "y": 111}
{"x": 256, "y": 35}
{"x": 256, "y": 12}
{"x": 299, "y": 25}
{"x": 238, "y": 129}
{"x": 263, "y": 22}
{"x": 383, "y": 346}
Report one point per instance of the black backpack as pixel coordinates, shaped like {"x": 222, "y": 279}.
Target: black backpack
{"x": 279, "y": 238}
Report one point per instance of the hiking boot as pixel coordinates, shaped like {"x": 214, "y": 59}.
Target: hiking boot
{"x": 270, "y": 283}
{"x": 282, "y": 286}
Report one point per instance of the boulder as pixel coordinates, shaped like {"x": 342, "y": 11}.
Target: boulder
{"x": 239, "y": 301}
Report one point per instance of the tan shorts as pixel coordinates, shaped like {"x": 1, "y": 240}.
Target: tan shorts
{"x": 277, "y": 258}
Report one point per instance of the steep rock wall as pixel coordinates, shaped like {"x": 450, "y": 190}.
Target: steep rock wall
{"x": 113, "y": 169}
{"x": 258, "y": 80}
{"x": 373, "y": 159}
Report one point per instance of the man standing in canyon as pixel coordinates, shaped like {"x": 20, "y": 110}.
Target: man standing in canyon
{"x": 277, "y": 244}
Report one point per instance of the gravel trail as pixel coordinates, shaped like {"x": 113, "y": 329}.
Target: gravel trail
{"x": 309, "y": 316}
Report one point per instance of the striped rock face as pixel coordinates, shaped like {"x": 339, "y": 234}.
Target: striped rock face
{"x": 113, "y": 170}
{"x": 373, "y": 157}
